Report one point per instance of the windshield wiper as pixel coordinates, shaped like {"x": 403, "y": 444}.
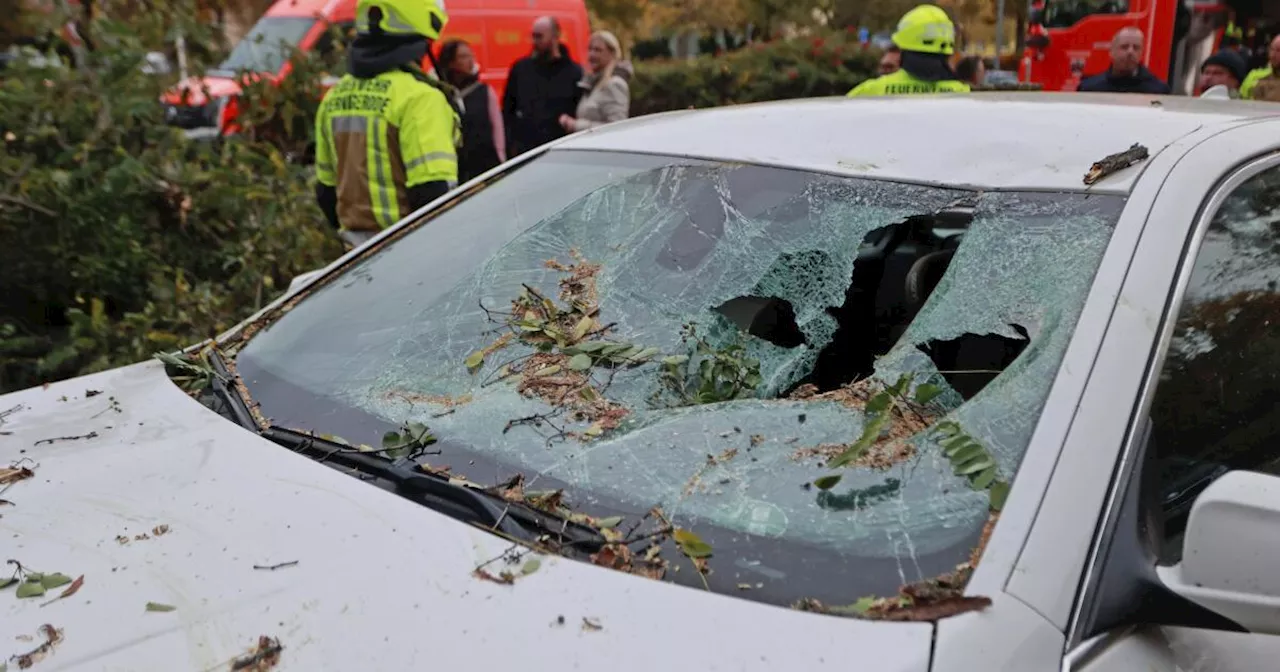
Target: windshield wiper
{"x": 461, "y": 502}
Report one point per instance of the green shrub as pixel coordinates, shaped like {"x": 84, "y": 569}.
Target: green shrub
{"x": 826, "y": 65}
{"x": 121, "y": 236}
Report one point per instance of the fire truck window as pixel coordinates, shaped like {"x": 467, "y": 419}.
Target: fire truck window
{"x": 1067, "y": 13}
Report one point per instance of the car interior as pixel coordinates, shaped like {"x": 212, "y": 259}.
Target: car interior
{"x": 898, "y": 268}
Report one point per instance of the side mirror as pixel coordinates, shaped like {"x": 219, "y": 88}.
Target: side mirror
{"x": 1230, "y": 550}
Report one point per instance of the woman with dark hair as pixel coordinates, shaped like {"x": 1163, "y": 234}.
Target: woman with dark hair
{"x": 483, "y": 136}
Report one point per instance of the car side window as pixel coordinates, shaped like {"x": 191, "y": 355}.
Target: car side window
{"x": 1215, "y": 407}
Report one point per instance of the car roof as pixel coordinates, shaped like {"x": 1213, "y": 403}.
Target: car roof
{"x": 1006, "y": 141}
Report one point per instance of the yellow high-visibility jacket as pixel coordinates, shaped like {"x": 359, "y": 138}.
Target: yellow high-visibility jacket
{"x": 902, "y": 82}
{"x": 377, "y": 137}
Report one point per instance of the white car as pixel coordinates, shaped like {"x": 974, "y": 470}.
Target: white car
{"x": 476, "y": 442}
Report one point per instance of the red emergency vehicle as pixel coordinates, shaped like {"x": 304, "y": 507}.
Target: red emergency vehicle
{"x": 1069, "y": 40}
{"x": 498, "y": 31}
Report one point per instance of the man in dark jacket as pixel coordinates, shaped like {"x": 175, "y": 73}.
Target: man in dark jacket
{"x": 540, "y": 88}
{"x": 1126, "y": 74}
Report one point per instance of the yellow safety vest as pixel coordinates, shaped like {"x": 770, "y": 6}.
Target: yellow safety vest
{"x": 377, "y": 137}
{"x": 1251, "y": 81}
{"x": 902, "y": 82}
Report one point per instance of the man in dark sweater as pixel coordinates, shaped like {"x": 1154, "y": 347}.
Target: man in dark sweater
{"x": 540, "y": 87}
{"x": 1126, "y": 74}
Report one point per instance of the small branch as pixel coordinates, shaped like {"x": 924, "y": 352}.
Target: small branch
{"x": 22, "y": 202}
{"x": 272, "y": 568}
{"x": 90, "y": 435}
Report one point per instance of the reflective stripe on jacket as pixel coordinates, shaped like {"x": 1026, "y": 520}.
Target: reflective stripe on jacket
{"x": 902, "y": 82}
{"x": 377, "y": 137}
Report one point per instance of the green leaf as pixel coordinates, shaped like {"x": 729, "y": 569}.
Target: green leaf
{"x": 580, "y": 362}
{"x": 963, "y": 453}
{"x": 645, "y": 355}
{"x": 51, "y": 581}
{"x": 608, "y": 523}
{"x": 474, "y": 361}
{"x": 34, "y": 577}
{"x": 981, "y": 481}
{"x": 975, "y": 466}
{"x": 30, "y": 589}
{"x": 548, "y": 370}
{"x": 926, "y": 393}
{"x": 869, "y": 435}
{"x": 863, "y": 604}
{"x": 419, "y": 432}
{"x": 581, "y": 329}
{"x": 827, "y": 482}
{"x": 904, "y": 381}
{"x": 879, "y": 402}
{"x": 675, "y": 360}
{"x": 947, "y": 428}
{"x": 594, "y": 430}
{"x": 590, "y": 347}
{"x": 531, "y": 566}
{"x": 5, "y": 583}
{"x": 156, "y": 606}
{"x": 691, "y": 544}
{"x": 392, "y": 440}
{"x": 588, "y": 394}
{"x": 998, "y": 493}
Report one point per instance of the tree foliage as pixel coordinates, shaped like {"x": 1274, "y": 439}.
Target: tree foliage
{"x": 827, "y": 64}
{"x": 123, "y": 237}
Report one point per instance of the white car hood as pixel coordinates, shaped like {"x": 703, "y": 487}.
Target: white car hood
{"x": 380, "y": 583}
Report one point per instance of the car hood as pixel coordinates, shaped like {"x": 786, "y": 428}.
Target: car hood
{"x": 192, "y": 91}
{"x": 151, "y": 497}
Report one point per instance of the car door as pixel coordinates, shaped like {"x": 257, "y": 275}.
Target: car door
{"x": 1199, "y": 316}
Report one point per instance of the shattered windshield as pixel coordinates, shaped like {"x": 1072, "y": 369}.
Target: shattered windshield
{"x": 827, "y": 382}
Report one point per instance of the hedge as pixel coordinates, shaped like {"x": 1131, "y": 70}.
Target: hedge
{"x": 825, "y": 65}
{"x": 123, "y": 238}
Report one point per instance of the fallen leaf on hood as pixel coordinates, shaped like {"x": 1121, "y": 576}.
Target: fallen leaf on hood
{"x": 505, "y": 578}
{"x": 52, "y": 637}
{"x": 531, "y": 566}
{"x": 160, "y": 530}
{"x": 30, "y": 589}
{"x": 14, "y": 474}
{"x": 91, "y": 393}
{"x": 121, "y": 539}
{"x": 591, "y": 625}
{"x": 156, "y": 606}
{"x": 71, "y": 589}
{"x": 263, "y": 657}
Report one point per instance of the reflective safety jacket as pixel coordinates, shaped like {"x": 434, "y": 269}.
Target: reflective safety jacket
{"x": 378, "y": 137}
{"x": 1251, "y": 82}
{"x": 902, "y": 82}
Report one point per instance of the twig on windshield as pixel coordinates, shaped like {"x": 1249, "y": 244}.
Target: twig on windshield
{"x": 490, "y": 313}
{"x": 510, "y": 372}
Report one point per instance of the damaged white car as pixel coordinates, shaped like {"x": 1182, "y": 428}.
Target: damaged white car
{"x": 955, "y": 383}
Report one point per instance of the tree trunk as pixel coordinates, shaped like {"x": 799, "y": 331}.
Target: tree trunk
{"x": 1021, "y": 10}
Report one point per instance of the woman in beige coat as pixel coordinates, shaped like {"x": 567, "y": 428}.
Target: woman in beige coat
{"x": 607, "y": 96}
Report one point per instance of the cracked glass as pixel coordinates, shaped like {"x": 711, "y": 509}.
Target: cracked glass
{"x": 680, "y": 242}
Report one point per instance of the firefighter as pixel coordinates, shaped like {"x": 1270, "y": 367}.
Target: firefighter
{"x": 927, "y": 39}
{"x": 387, "y": 133}
{"x": 1264, "y": 83}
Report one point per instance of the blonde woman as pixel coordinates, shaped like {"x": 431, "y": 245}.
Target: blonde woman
{"x": 607, "y": 96}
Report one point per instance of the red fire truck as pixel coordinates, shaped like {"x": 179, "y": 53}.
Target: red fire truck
{"x": 1069, "y": 40}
